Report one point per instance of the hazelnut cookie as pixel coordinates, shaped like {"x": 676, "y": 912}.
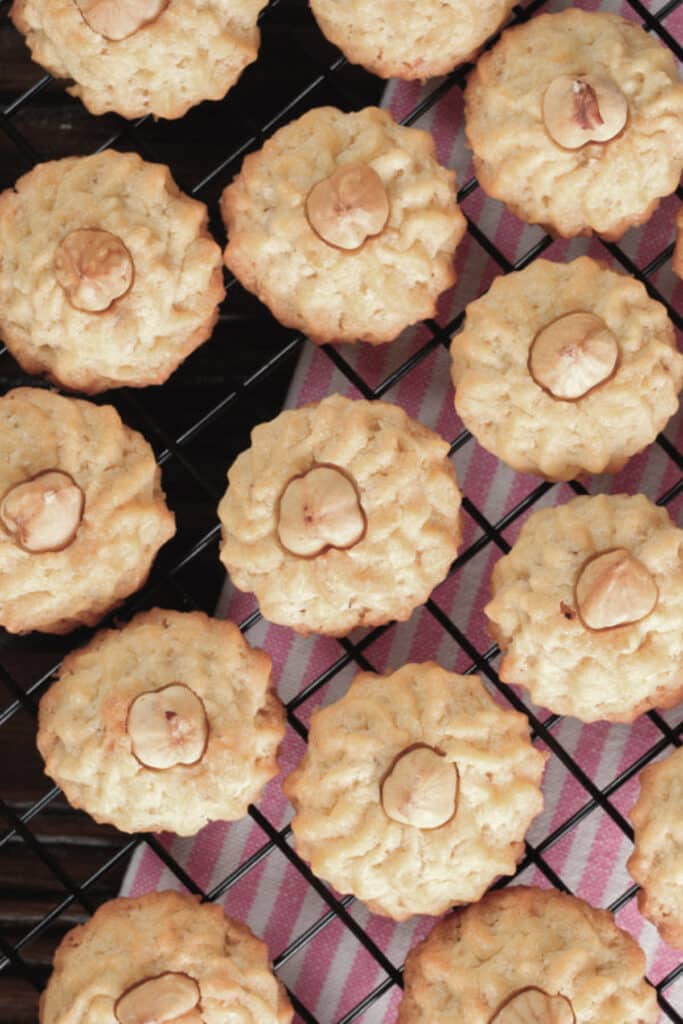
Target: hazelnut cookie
{"x": 344, "y": 225}
{"x": 140, "y": 57}
{"x": 408, "y": 40}
{"x": 656, "y": 861}
{"x": 416, "y": 791}
{"x": 527, "y": 956}
{"x": 163, "y": 725}
{"x": 108, "y": 274}
{"x": 82, "y": 512}
{"x": 162, "y": 957}
{"x": 562, "y": 369}
{"x": 576, "y": 122}
{"x": 588, "y": 608}
{"x": 342, "y": 513}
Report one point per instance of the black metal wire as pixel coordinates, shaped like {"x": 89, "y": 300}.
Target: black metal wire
{"x": 177, "y": 450}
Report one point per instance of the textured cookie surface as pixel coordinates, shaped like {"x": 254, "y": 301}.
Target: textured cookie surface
{"x": 155, "y": 288}
{"x": 625, "y": 394}
{"x": 174, "y": 54}
{"x": 365, "y": 541}
{"x": 595, "y": 671}
{"x": 658, "y": 855}
{"x": 678, "y": 252}
{"x": 128, "y": 942}
{"x": 123, "y": 522}
{"x": 408, "y": 40}
{"x": 603, "y": 186}
{"x": 362, "y": 826}
{"x": 584, "y": 969}
{"x": 215, "y": 762}
{"x": 393, "y": 277}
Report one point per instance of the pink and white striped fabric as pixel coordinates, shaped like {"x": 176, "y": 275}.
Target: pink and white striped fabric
{"x": 333, "y": 972}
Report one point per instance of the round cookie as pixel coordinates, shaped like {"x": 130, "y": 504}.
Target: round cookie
{"x": 82, "y": 513}
{"x": 562, "y": 369}
{"x": 344, "y": 225}
{"x": 163, "y": 956}
{"x": 655, "y": 863}
{"x": 527, "y": 956}
{"x": 108, "y": 274}
{"x": 588, "y": 608}
{"x": 341, "y": 514}
{"x": 576, "y": 122}
{"x": 678, "y": 251}
{"x": 408, "y": 40}
{"x": 163, "y": 725}
{"x": 416, "y": 791}
{"x": 140, "y": 57}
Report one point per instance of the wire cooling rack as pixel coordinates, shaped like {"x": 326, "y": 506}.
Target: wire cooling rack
{"x": 197, "y": 423}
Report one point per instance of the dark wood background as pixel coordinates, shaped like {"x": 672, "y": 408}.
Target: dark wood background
{"x": 49, "y": 125}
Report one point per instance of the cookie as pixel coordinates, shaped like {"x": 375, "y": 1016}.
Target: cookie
{"x": 576, "y": 122}
{"x": 163, "y": 725}
{"x": 563, "y": 369}
{"x": 82, "y": 512}
{"x": 408, "y": 40}
{"x": 416, "y": 791}
{"x": 108, "y": 274}
{"x": 344, "y": 225}
{"x": 341, "y": 514}
{"x": 655, "y": 863}
{"x": 527, "y": 956}
{"x": 140, "y": 57}
{"x": 588, "y": 608}
{"x": 678, "y": 251}
{"x": 163, "y": 956}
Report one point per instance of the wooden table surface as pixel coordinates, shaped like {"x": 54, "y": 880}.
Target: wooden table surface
{"x": 55, "y": 125}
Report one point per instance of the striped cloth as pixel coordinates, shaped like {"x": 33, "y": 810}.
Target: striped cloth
{"x": 333, "y": 971}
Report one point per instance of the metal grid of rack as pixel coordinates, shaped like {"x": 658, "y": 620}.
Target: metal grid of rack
{"x": 24, "y": 676}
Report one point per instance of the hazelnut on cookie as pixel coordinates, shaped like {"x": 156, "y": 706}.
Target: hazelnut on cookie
{"x": 527, "y": 956}
{"x": 416, "y": 791}
{"x": 163, "y": 725}
{"x": 108, "y": 274}
{"x": 588, "y": 608}
{"x": 82, "y": 512}
{"x": 164, "y": 957}
{"x": 657, "y": 856}
{"x": 341, "y": 514}
{"x": 576, "y": 122}
{"x": 409, "y": 40}
{"x": 344, "y": 225}
{"x": 562, "y": 369}
{"x": 140, "y": 57}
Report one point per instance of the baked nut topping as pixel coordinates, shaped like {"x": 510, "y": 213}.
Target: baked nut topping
{"x": 348, "y": 207}
{"x": 43, "y": 514}
{"x": 578, "y": 109}
{"x": 573, "y": 355}
{"x": 615, "y": 589}
{"x": 94, "y": 268}
{"x": 118, "y": 19}
{"x": 421, "y": 788}
{"x": 168, "y": 727}
{"x": 166, "y": 997}
{"x": 533, "y": 1006}
{"x": 320, "y": 510}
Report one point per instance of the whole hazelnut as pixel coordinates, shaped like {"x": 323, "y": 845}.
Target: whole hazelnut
{"x": 533, "y": 1006}
{"x": 118, "y": 19}
{"x": 421, "y": 788}
{"x": 578, "y": 109}
{"x": 44, "y": 513}
{"x": 94, "y": 268}
{"x": 320, "y": 510}
{"x": 615, "y": 589}
{"x": 573, "y": 355}
{"x": 165, "y": 997}
{"x": 349, "y": 206}
{"x": 168, "y": 727}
